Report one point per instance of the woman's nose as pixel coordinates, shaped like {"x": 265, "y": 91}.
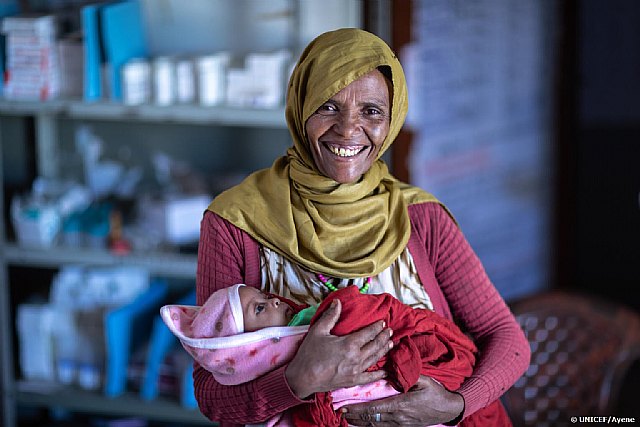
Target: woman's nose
{"x": 348, "y": 124}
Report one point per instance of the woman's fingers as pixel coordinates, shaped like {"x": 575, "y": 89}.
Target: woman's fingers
{"x": 373, "y": 350}
{"x": 369, "y": 377}
{"x": 368, "y": 334}
{"x": 427, "y": 403}
{"x": 364, "y": 413}
{"x": 326, "y": 362}
{"x": 376, "y": 414}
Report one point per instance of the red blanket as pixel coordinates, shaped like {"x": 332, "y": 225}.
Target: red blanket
{"x": 425, "y": 343}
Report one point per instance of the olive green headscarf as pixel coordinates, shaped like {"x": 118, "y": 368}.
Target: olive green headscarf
{"x": 342, "y": 230}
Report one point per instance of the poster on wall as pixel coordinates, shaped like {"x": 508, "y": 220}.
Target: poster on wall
{"x": 480, "y": 80}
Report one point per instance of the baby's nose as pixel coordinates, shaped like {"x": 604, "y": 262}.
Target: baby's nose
{"x": 275, "y": 302}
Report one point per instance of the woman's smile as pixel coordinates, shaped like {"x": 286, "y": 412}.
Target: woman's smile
{"x": 345, "y": 151}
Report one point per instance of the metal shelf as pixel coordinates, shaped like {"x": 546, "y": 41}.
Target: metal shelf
{"x": 177, "y": 114}
{"x": 161, "y": 264}
{"x": 20, "y": 108}
{"x": 77, "y": 400}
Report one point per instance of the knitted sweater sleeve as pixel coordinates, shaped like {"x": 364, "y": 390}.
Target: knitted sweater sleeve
{"x": 227, "y": 256}
{"x": 476, "y": 306}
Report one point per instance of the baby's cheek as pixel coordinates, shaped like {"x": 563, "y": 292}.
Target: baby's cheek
{"x": 284, "y": 320}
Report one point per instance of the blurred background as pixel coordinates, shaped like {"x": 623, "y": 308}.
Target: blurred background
{"x": 120, "y": 120}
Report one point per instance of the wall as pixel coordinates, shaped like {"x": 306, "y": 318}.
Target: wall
{"x": 481, "y": 77}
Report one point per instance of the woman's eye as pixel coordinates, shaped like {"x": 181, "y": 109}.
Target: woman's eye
{"x": 259, "y": 308}
{"x": 372, "y": 111}
{"x": 327, "y": 109}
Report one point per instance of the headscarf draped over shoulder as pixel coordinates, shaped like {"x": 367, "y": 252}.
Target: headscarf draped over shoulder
{"x": 342, "y": 230}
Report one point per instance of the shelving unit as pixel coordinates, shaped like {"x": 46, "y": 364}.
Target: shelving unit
{"x": 46, "y": 120}
{"x": 242, "y": 138}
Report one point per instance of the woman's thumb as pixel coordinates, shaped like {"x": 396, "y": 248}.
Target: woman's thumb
{"x": 329, "y": 318}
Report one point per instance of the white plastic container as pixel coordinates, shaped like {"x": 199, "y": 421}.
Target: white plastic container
{"x": 35, "y": 224}
{"x": 164, "y": 80}
{"x": 136, "y": 82}
{"x": 211, "y": 78}
{"x": 185, "y": 81}
{"x": 34, "y": 325}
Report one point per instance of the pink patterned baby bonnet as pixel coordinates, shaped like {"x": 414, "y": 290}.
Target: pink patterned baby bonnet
{"x": 214, "y": 336}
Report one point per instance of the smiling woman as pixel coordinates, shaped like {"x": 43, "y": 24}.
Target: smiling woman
{"x": 329, "y": 214}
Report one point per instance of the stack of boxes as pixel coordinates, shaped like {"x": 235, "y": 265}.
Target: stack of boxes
{"x": 32, "y": 71}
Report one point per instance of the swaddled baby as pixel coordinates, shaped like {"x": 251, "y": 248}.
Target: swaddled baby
{"x": 240, "y": 333}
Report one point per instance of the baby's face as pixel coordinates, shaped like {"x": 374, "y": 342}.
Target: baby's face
{"x": 260, "y": 311}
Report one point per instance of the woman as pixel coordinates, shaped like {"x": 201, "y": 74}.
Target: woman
{"x": 329, "y": 214}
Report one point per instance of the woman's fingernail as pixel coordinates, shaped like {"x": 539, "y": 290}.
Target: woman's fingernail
{"x": 343, "y": 410}
{"x": 384, "y": 324}
{"x": 390, "y": 333}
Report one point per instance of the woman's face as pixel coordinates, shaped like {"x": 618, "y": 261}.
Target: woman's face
{"x": 347, "y": 132}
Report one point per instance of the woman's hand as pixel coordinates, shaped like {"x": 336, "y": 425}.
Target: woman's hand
{"x": 325, "y": 362}
{"x": 427, "y": 403}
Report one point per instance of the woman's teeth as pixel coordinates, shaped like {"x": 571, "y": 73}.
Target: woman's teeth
{"x": 344, "y": 152}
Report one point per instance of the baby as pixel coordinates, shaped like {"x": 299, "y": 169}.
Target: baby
{"x": 220, "y": 339}
{"x": 241, "y": 333}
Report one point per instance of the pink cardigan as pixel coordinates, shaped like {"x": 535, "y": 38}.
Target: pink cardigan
{"x": 448, "y": 268}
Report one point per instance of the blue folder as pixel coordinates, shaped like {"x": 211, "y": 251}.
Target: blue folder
{"x": 123, "y": 38}
{"x": 125, "y": 329}
{"x": 161, "y": 343}
{"x": 93, "y": 53}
